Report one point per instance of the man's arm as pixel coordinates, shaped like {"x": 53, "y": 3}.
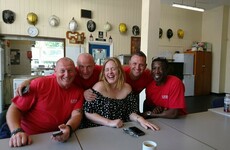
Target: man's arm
{"x": 19, "y": 137}
{"x": 71, "y": 125}
{"x": 170, "y": 113}
{"x": 22, "y": 85}
{"x": 89, "y": 95}
{"x": 75, "y": 119}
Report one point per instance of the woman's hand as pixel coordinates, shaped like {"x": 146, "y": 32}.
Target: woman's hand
{"x": 117, "y": 123}
{"x": 146, "y": 124}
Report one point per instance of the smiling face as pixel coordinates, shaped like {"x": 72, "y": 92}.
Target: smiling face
{"x": 159, "y": 72}
{"x": 65, "y": 72}
{"x": 137, "y": 66}
{"x": 111, "y": 72}
{"x": 85, "y": 64}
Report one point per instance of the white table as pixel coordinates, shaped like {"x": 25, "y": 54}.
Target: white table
{"x": 44, "y": 142}
{"x": 208, "y": 127}
{"x": 107, "y": 138}
{"x": 220, "y": 111}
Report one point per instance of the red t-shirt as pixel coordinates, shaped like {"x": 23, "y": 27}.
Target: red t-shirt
{"x": 168, "y": 95}
{"x": 88, "y": 83}
{"x": 47, "y": 105}
{"x": 139, "y": 84}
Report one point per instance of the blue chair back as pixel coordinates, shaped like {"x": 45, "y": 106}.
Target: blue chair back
{"x": 218, "y": 102}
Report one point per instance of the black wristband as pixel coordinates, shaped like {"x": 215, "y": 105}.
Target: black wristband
{"x": 70, "y": 129}
{"x": 16, "y": 131}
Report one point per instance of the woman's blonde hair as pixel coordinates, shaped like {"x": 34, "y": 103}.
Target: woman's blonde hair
{"x": 121, "y": 74}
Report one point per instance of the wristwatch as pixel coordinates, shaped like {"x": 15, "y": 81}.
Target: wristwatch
{"x": 16, "y": 131}
{"x": 149, "y": 113}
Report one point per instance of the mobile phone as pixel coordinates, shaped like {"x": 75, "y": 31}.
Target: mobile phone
{"x": 134, "y": 131}
{"x": 56, "y": 133}
{"x": 25, "y": 89}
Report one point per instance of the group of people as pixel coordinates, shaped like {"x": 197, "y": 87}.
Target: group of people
{"x": 101, "y": 95}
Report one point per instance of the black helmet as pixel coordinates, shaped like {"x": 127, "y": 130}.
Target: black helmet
{"x": 136, "y": 30}
{"x": 169, "y": 33}
{"x": 8, "y": 16}
{"x": 91, "y": 26}
{"x": 160, "y": 32}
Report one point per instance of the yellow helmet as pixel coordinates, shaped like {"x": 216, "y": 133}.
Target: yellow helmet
{"x": 122, "y": 27}
{"x": 32, "y": 18}
{"x": 180, "y": 33}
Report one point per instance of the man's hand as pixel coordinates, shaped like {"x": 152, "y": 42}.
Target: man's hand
{"x": 20, "y": 139}
{"x": 63, "y": 137}
{"x": 89, "y": 95}
{"x": 21, "y": 86}
{"x": 158, "y": 110}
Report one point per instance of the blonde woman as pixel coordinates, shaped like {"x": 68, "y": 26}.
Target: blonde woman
{"x": 115, "y": 102}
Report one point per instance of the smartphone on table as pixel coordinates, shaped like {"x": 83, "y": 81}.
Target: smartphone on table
{"x": 134, "y": 131}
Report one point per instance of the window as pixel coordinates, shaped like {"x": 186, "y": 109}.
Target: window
{"x": 46, "y": 53}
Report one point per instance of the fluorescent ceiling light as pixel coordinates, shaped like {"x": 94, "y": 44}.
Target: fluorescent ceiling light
{"x": 188, "y": 7}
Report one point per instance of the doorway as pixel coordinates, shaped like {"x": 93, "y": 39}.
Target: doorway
{"x": 100, "y": 51}
{"x": 19, "y": 64}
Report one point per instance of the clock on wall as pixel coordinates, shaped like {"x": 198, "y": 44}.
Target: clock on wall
{"x": 32, "y": 31}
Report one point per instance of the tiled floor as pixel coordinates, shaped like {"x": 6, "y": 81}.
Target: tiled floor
{"x": 200, "y": 103}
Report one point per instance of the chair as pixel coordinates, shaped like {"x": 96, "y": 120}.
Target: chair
{"x": 218, "y": 102}
{"x": 142, "y": 97}
{"x": 2, "y": 117}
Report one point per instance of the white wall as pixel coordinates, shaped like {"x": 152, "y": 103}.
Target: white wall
{"x": 215, "y": 29}
{"x": 197, "y": 26}
{"x": 174, "y": 18}
{"x": 115, "y": 12}
{"x": 227, "y": 75}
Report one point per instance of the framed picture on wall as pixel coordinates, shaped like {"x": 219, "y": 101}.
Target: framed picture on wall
{"x": 99, "y": 52}
{"x": 14, "y": 56}
{"x": 135, "y": 44}
{"x": 100, "y": 34}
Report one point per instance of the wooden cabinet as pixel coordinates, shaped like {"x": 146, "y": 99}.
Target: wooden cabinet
{"x": 202, "y": 72}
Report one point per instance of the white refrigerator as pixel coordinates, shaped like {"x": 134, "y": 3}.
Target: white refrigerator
{"x": 1, "y": 78}
{"x": 188, "y": 75}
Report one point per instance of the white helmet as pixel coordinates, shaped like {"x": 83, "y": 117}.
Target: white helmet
{"x": 73, "y": 25}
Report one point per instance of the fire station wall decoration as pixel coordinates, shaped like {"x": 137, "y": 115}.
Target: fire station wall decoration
{"x": 91, "y": 26}
{"x": 8, "y": 16}
{"x": 33, "y": 31}
{"x": 54, "y": 21}
{"x": 32, "y": 18}
{"x": 75, "y": 37}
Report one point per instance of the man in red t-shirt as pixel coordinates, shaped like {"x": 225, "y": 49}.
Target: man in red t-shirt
{"x": 137, "y": 75}
{"x": 87, "y": 71}
{"x": 165, "y": 94}
{"x": 53, "y": 103}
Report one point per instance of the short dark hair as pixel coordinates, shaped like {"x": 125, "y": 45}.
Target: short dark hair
{"x": 140, "y": 53}
{"x": 163, "y": 60}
